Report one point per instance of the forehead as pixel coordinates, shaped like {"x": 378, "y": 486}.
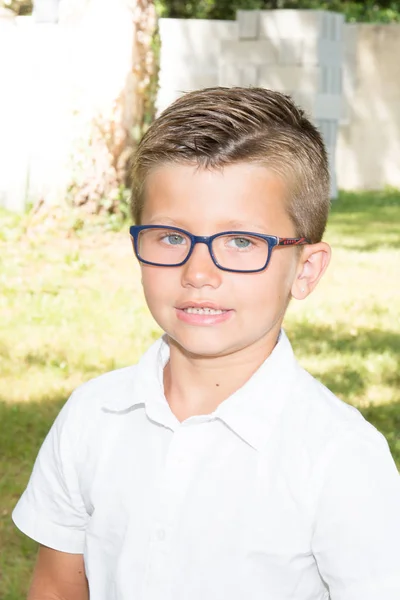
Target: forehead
{"x": 188, "y": 195}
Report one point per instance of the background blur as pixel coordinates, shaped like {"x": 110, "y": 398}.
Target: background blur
{"x": 80, "y": 81}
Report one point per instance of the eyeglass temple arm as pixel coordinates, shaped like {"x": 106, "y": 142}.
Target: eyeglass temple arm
{"x": 293, "y": 241}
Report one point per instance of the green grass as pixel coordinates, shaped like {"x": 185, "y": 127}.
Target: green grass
{"x": 71, "y": 307}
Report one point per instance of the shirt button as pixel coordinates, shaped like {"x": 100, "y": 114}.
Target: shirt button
{"x": 161, "y": 535}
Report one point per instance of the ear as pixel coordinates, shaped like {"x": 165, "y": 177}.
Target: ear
{"x": 312, "y": 265}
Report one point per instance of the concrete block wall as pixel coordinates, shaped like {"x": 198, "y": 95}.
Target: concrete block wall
{"x": 189, "y": 55}
{"x": 368, "y": 148}
{"x": 347, "y": 76}
{"x": 298, "y": 52}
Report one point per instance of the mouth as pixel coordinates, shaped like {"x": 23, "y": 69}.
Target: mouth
{"x": 202, "y": 313}
{"x": 202, "y": 308}
{"x": 195, "y": 310}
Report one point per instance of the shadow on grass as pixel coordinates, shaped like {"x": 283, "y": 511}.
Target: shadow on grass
{"x": 367, "y": 222}
{"x": 373, "y": 204}
{"x": 25, "y": 425}
{"x": 23, "y": 429}
{"x": 386, "y": 419}
{"x": 311, "y": 339}
{"x": 48, "y": 357}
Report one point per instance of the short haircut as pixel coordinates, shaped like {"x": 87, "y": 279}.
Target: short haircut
{"x": 216, "y": 127}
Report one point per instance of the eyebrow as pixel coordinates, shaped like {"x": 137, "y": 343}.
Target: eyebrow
{"x": 163, "y": 220}
{"x": 240, "y": 225}
{"x": 226, "y": 226}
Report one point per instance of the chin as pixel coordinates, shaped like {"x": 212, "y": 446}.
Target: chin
{"x": 203, "y": 346}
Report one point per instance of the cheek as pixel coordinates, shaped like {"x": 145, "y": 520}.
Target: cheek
{"x": 266, "y": 292}
{"x": 283, "y": 270}
{"x": 259, "y": 295}
{"x": 157, "y": 283}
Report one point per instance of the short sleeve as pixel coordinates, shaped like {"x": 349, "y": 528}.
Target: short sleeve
{"x": 356, "y": 540}
{"x": 51, "y": 510}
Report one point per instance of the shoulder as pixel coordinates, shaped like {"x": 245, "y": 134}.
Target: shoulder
{"x": 321, "y": 407}
{"x": 91, "y": 397}
{"x": 312, "y": 412}
{"x": 123, "y": 388}
{"x": 324, "y": 418}
{"x": 106, "y": 388}
{"x": 321, "y": 430}
{"x": 82, "y": 421}
{"x": 89, "y": 409}
{"x": 88, "y": 412}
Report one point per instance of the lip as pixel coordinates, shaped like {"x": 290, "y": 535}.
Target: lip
{"x": 206, "y": 320}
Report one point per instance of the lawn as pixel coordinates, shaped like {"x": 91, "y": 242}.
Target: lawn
{"x": 71, "y": 307}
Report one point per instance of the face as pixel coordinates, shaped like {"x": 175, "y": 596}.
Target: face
{"x": 204, "y": 202}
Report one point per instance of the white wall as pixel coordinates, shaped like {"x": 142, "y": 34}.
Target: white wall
{"x": 54, "y": 80}
{"x": 189, "y": 55}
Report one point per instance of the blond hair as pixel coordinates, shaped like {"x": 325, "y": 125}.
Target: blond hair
{"x": 217, "y": 127}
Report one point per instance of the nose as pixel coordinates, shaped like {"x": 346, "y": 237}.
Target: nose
{"x": 200, "y": 269}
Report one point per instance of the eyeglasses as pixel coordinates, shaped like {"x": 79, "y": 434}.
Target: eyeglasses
{"x": 235, "y": 251}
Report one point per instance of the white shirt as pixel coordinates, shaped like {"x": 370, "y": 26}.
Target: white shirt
{"x": 284, "y": 492}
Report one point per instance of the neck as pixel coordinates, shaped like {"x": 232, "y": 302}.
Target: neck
{"x": 196, "y": 385}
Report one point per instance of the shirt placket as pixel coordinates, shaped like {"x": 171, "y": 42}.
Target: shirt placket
{"x": 182, "y": 454}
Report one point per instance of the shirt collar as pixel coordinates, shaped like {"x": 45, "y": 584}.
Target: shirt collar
{"x": 250, "y": 412}
{"x": 146, "y": 383}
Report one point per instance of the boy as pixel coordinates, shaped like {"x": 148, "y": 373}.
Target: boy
{"x": 217, "y": 468}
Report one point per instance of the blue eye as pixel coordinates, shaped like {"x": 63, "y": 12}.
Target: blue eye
{"x": 240, "y": 243}
{"x": 174, "y": 239}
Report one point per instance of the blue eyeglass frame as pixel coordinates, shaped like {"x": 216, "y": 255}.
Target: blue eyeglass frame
{"x": 271, "y": 240}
